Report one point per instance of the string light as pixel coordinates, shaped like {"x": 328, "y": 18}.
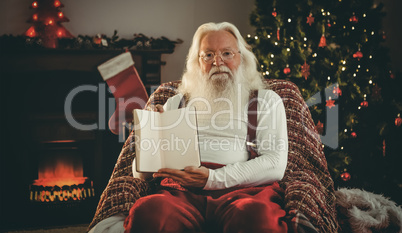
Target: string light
{"x": 289, "y": 20}
{"x": 291, "y": 37}
{"x": 354, "y": 75}
{"x": 288, "y": 49}
{"x": 256, "y": 37}
{"x": 269, "y": 36}
{"x": 367, "y": 70}
{"x": 272, "y": 55}
{"x": 371, "y": 81}
{"x": 329, "y": 78}
{"x": 276, "y": 43}
{"x": 248, "y": 36}
{"x": 371, "y": 56}
{"x": 364, "y": 15}
{"x": 305, "y": 38}
{"x": 315, "y": 55}
{"x": 358, "y": 66}
{"x": 353, "y": 28}
{"x": 343, "y": 68}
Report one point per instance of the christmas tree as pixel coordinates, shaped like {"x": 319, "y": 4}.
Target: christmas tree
{"x": 46, "y": 21}
{"x": 333, "y": 50}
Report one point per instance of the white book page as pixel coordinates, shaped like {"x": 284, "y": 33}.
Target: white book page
{"x": 166, "y": 140}
{"x": 148, "y": 157}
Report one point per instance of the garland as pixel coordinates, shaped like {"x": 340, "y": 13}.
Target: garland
{"x": 100, "y": 41}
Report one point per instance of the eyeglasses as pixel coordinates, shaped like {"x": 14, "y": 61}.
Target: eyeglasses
{"x": 209, "y": 57}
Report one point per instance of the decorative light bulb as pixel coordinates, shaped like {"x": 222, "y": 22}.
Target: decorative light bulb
{"x": 256, "y": 37}
{"x": 372, "y": 33}
{"x": 288, "y": 49}
{"x": 60, "y": 14}
{"x": 354, "y": 75}
{"x": 57, "y": 3}
{"x": 329, "y": 78}
{"x": 358, "y": 66}
{"x": 35, "y": 17}
{"x": 248, "y": 36}
{"x": 271, "y": 63}
{"x": 291, "y": 37}
{"x": 371, "y": 82}
{"x": 364, "y": 15}
{"x": 272, "y": 55}
{"x": 289, "y": 20}
{"x": 276, "y": 43}
{"x": 35, "y": 4}
{"x": 371, "y": 56}
{"x": 343, "y": 68}
{"x": 353, "y": 28}
{"x": 305, "y": 38}
{"x": 269, "y": 36}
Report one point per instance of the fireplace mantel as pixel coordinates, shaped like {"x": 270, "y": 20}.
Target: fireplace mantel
{"x": 147, "y": 62}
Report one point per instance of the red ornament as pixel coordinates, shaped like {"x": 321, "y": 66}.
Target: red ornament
{"x": 278, "y": 33}
{"x": 274, "y": 13}
{"x": 358, "y": 55}
{"x": 286, "y": 70}
{"x": 353, "y": 134}
{"x": 323, "y": 41}
{"x": 305, "y": 70}
{"x": 345, "y": 176}
{"x": 337, "y": 91}
{"x": 330, "y": 103}
{"x": 319, "y": 127}
{"x": 398, "y": 120}
{"x": 376, "y": 93}
{"x": 364, "y": 104}
{"x": 310, "y": 19}
{"x": 354, "y": 19}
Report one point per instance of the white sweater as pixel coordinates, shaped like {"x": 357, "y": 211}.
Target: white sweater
{"x": 222, "y": 141}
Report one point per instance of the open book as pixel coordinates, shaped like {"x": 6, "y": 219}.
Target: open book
{"x": 166, "y": 140}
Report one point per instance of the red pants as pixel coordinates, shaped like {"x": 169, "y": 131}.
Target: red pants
{"x": 245, "y": 210}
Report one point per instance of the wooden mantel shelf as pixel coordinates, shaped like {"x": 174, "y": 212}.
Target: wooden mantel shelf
{"x": 66, "y": 59}
{"x": 147, "y": 62}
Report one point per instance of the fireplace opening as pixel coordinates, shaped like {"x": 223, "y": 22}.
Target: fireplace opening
{"x": 61, "y": 174}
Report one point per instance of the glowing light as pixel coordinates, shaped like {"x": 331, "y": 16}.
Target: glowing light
{"x": 346, "y": 130}
{"x": 305, "y": 39}
{"x": 358, "y": 66}
{"x": 344, "y": 62}
{"x": 372, "y": 33}
{"x": 288, "y": 49}
{"x": 60, "y": 14}
{"x": 35, "y": 17}
{"x": 354, "y": 75}
{"x": 271, "y": 63}
{"x": 343, "y": 68}
{"x": 269, "y": 36}
{"x": 60, "y": 33}
{"x": 364, "y": 15}
{"x": 329, "y": 78}
{"x": 276, "y": 43}
{"x": 272, "y": 55}
{"x": 256, "y": 37}
{"x": 371, "y": 56}
{"x": 353, "y": 28}
{"x": 31, "y": 32}
{"x": 289, "y": 20}
{"x": 57, "y": 3}
{"x": 291, "y": 37}
{"x": 371, "y": 82}
{"x": 248, "y": 36}
{"x": 35, "y": 4}
{"x": 315, "y": 55}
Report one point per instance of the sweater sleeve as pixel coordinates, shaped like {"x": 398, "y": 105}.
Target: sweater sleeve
{"x": 272, "y": 147}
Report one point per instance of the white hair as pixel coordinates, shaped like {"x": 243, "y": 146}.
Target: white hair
{"x": 253, "y": 78}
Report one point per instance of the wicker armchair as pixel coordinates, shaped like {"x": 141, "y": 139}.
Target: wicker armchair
{"x": 307, "y": 183}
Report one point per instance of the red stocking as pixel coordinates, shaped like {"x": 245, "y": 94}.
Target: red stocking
{"x": 127, "y": 88}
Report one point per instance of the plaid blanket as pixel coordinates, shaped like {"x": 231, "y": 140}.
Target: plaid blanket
{"x": 309, "y": 190}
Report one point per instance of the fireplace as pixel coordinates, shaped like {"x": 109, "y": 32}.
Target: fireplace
{"x": 53, "y": 172}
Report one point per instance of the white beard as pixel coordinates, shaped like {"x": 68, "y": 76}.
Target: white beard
{"x": 217, "y": 92}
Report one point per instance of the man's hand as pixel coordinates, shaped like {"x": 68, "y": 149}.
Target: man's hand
{"x": 157, "y": 108}
{"x": 192, "y": 177}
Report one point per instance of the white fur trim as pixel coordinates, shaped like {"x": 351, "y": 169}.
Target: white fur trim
{"x": 115, "y": 65}
{"x": 368, "y": 212}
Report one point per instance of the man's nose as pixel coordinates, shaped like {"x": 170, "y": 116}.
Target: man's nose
{"x": 218, "y": 60}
